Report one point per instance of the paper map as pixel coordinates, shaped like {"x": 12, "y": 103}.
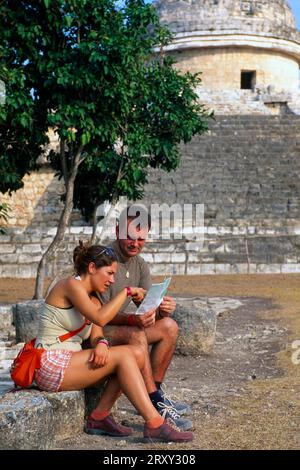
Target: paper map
{"x": 154, "y": 296}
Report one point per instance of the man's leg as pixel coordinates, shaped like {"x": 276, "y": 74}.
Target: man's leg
{"x": 163, "y": 336}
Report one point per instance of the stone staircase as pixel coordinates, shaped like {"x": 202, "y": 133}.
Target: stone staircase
{"x": 7, "y": 354}
{"x": 8, "y": 346}
{"x": 246, "y": 172}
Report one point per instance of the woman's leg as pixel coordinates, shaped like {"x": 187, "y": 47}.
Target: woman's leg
{"x": 113, "y": 389}
{"x": 110, "y": 394}
{"x": 123, "y": 363}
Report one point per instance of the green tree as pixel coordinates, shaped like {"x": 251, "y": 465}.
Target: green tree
{"x": 159, "y": 118}
{"x": 87, "y": 69}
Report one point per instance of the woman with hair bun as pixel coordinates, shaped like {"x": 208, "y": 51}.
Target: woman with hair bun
{"x": 71, "y": 307}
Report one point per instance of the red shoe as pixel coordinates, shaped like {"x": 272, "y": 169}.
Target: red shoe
{"x": 107, "y": 426}
{"x": 167, "y": 432}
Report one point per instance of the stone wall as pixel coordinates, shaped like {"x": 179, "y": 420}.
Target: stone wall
{"x": 38, "y": 203}
{"x": 221, "y": 67}
{"x": 272, "y": 17}
{"x": 246, "y": 171}
{"x": 243, "y": 102}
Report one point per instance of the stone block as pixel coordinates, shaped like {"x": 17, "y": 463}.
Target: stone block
{"x": 10, "y": 270}
{"x": 193, "y": 257}
{"x": 26, "y": 317}
{"x": 148, "y": 257}
{"x": 27, "y": 271}
{"x": 197, "y": 326}
{"x": 76, "y": 230}
{"x": 222, "y": 268}
{"x": 290, "y": 268}
{"x": 32, "y": 248}
{"x": 160, "y": 269}
{"x": 177, "y": 269}
{"x": 31, "y": 419}
{"x": 193, "y": 269}
{"x": 178, "y": 257}
{"x": 208, "y": 268}
{"x": 10, "y": 258}
{"x": 6, "y": 248}
{"x": 29, "y": 259}
{"x": 6, "y": 316}
{"x": 162, "y": 257}
{"x": 269, "y": 268}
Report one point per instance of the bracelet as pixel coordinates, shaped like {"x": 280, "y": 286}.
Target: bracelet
{"x": 129, "y": 293}
{"x": 102, "y": 340}
{"x": 131, "y": 320}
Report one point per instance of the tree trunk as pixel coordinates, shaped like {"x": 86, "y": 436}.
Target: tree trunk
{"x": 93, "y": 237}
{"x": 101, "y": 239}
{"x": 61, "y": 229}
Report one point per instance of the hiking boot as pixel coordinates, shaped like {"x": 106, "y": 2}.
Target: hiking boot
{"x": 180, "y": 407}
{"x": 167, "y": 432}
{"x": 107, "y": 426}
{"x": 168, "y": 412}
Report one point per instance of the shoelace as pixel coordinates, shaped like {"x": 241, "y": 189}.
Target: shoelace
{"x": 168, "y": 409}
{"x": 165, "y": 396}
{"x": 171, "y": 423}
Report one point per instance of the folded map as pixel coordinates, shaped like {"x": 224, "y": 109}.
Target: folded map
{"x": 154, "y": 296}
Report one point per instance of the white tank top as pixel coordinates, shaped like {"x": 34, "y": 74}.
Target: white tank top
{"x": 54, "y": 322}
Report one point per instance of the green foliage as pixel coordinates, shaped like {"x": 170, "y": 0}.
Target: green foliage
{"x": 87, "y": 69}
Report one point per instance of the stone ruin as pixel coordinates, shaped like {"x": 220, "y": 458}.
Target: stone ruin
{"x": 245, "y": 170}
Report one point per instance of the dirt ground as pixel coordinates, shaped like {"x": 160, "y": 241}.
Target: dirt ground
{"x": 246, "y": 395}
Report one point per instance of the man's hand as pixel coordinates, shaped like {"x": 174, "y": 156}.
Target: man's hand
{"x": 99, "y": 356}
{"x": 167, "y": 307}
{"x": 147, "y": 319}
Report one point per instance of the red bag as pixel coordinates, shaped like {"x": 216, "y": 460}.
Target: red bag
{"x": 29, "y": 359}
{"x": 24, "y": 365}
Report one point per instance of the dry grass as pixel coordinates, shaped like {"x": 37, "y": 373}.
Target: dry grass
{"x": 266, "y": 415}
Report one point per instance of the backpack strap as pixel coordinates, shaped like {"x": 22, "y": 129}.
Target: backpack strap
{"x": 73, "y": 333}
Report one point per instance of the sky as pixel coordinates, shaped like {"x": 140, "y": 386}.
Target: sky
{"x": 295, "y": 5}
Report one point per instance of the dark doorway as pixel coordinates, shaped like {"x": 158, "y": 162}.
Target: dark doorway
{"x": 248, "y": 79}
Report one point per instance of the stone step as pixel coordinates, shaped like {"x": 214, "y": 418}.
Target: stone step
{"x": 5, "y": 364}
{"x": 5, "y": 376}
{"x": 6, "y": 344}
{"x": 7, "y": 354}
{"x": 6, "y": 316}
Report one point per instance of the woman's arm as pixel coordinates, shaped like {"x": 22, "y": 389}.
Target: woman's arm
{"x": 97, "y": 331}
{"x": 79, "y": 298}
{"x": 100, "y": 353}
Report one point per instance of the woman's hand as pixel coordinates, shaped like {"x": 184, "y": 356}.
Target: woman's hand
{"x": 137, "y": 293}
{"x": 99, "y": 356}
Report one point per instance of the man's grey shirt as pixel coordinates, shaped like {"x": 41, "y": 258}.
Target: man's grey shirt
{"x": 139, "y": 276}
